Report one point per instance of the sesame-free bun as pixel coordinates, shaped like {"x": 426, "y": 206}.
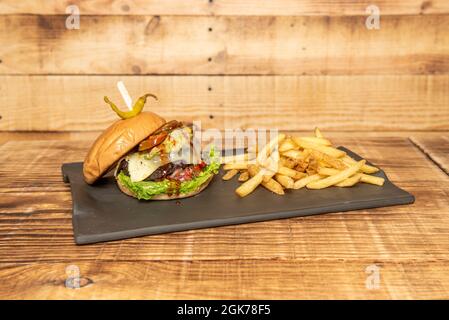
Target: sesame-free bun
{"x": 165, "y": 196}
{"x": 116, "y": 141}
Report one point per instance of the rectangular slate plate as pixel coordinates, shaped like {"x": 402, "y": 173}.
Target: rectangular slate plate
{"x": 103, "y": 213}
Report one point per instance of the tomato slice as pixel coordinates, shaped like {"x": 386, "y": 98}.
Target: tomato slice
{"x": 199, "y": 167}
{"x": 159, "y": 135}
{"x": 152, "y": 141}
{"x": 168, "y": 127}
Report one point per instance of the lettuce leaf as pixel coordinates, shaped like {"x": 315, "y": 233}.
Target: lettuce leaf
{"x": 144, "y": 189}
{"x": 147, "y": 189}
{"x": 191, "y": 185}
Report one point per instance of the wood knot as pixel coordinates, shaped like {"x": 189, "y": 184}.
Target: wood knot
{"x": 136, "y": 69}
{"x": 77, "y": 283}
{"x": 425, "y": 5}
{"x": 43, "y": 23}
{"x": 221, "y": 56}
{"x": 152, "y": 25}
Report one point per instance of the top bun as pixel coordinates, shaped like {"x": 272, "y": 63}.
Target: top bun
{"x": 116, "y": 141}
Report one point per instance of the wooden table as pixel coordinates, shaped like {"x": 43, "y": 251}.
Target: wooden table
{"x": 312, "y": 257}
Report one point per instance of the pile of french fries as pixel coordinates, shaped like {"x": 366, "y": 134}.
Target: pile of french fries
{"x": 288, "y": 162}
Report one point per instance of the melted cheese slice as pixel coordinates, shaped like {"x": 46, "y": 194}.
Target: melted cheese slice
{"x": 179, "y": 148}
{"x": 140, "y": 167}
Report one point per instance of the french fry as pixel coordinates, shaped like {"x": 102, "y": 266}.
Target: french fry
{"x": 302, "y": 166}
{"x": 293, "y": 154}
{"x": 323, "y": 164}
{"x": 295, "y": 163}
{"x": 236, "y": 165}
{"x": 306, "y": 153}
{"x": 253, "y": 169}
{"x": 270, "y": 166}
{"x": 313, "y": 166}
{"x": 351, "y": 181}
{"x": 272, "y": 162}
{"x": 248, "y": 186}
{"x": 268, "y": 174}
{"x": 285, "y": 181}
{"x": 334, "y": 163}
{"x": 336, "y": 178}
{"x": 328, "y": 171}
{"x": 287, "y": 144}
{"x": 369, "y": 169}
{"x": 330, "y": 151}
{"x": 299, "y": 175}
{"x": 347, "y": 159}
{"x": 230, "y": 174}
{"x": 365, "y": 169}
{"x": 271, "y": 185}
{"x": 291, "y": 173}
{"x": 287, "y": 162}
{"x": 244, "y": 176}
{"x": 301, "y": 183}
{"x": 379, "y": 181}
{"x": 269, "y": 148}
{"x": 316, "y": 140}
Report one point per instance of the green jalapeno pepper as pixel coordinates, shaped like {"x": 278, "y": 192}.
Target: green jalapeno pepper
{"x": 137, "y": 108}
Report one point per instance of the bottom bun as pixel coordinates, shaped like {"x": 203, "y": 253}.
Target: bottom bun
{"x": 125, "y": 190}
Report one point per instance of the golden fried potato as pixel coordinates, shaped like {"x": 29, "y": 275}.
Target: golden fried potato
{"x": 301, "y": 183}
{"x": 236, "y": 166}
{"x": 330, "y": 151}
{"x": 318, "y": 133}
{"x": 351, "y": 181}
{"x": 287, "y": 162}
{"x": 287, "y": 145}
{"x": 248, "y": 186}
{"x": 271, "y": 184}
{"x": 230, "y": 174}
{"x": 365, "y": 169}
{"x": 379, "y": 181}
{"x": 291, "y": 173}
{"x": 244, "y": 176}
{"x": 286, "y": 182}
{"x": 336, "y": 178}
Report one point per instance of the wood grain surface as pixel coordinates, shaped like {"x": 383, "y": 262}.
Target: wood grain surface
{"x": 89, "y": 136}
{"x": 290, "y": 64}
{"x": 222, "y": 7}
{"x": 311, "y": 257}
{"x": 41, "y": 44}
{"x": 348, "y": 103}
{"x": 436, "y": 148}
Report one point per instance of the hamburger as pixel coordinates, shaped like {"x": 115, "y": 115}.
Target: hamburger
{"x": 152, "y": 159}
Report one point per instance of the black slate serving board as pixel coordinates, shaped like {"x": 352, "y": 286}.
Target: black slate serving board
{"x": 103, "y": 213}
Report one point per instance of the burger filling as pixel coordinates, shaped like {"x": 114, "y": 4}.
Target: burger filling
{"x": 166, "y": 163}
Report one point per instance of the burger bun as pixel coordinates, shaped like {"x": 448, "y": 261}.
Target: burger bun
{"x": 116, "y": 141}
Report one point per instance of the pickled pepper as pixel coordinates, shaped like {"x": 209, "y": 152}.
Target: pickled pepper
{"x": 137, "y": 108}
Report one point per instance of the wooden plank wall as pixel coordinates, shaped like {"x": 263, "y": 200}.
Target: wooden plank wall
{"x": 293, "y": 64}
